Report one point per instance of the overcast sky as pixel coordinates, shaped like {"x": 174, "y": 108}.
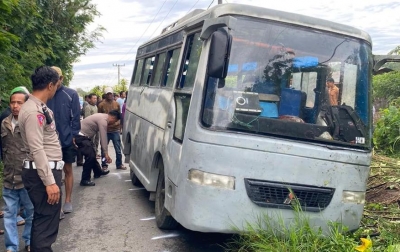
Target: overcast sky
{"x": 129, "y": 23}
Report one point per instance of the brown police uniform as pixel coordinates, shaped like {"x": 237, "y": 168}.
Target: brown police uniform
{"x": 90, "y": 126}
{"x": 43, "y": 167}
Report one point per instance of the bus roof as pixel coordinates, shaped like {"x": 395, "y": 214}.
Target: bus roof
{"x": 198, "y": 16}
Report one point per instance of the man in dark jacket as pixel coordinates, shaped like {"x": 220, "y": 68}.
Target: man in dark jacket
{"x": 67, "y": 110}
{"x": 14, "y": 193}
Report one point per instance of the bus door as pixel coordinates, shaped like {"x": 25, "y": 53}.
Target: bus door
{"x": 180, "y": 103}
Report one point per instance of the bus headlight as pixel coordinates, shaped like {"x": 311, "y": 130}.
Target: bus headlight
{"x": 210, "y": 179}
{"x": 353, "y": 197}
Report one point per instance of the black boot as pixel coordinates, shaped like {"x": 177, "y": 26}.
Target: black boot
{"x": 87, "y": 183}
{"x": 103, "y": 173}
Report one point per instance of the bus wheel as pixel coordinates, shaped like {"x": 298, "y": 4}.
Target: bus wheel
{"x": 134, "y": 179}
{"x": 163, "y": 217}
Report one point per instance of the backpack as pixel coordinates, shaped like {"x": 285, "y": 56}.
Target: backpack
{"x": 345, "y": 124}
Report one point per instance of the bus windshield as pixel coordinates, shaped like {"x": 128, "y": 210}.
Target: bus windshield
{"x": 294, "y": 82}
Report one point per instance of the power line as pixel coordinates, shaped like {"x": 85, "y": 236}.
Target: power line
{"x": 210, "y": 4}
{"x": 192, "y": 6}
{"x": 164, "y": 18}
{"x": 145, "y": 30}
{"x": 109, "y": 73}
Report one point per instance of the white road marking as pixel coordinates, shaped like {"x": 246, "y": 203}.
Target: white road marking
{"x": 150, "y": 218}
{"x": 165, "y": 236}
{"x": 117, "y": 174}
{"x": 136, "y": 189}
{"x": 128, "y": 180}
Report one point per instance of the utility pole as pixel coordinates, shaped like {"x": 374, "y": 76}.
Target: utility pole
{"x": 119, "y": 65}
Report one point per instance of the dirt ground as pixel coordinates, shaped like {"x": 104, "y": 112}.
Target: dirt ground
{"x": 384, "y": 182}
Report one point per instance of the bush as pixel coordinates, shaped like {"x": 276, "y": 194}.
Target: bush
{"x": 387, "y": 86}
{"x": 387, "y": 131}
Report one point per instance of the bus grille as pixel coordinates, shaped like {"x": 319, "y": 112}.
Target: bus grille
{"x": 277, "y": 195}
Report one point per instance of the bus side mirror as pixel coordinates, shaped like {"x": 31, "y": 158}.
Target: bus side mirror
{"x": 380, "y": 60}
{"x": 219, "y": 54}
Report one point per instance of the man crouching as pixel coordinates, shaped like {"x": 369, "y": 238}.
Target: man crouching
{"x": 90, "y": 126}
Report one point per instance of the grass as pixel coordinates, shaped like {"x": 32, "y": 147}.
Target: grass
{"x": 271, "y": 234}
{"x": 380, "y": 223}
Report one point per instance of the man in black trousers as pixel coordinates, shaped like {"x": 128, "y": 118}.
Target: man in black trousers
{"x": 89, "y": 128}
{"x": 42, "y": 170}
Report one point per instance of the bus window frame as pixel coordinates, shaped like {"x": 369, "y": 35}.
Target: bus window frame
{"x": 134, "y": 73}
{"x": 145, "y": 83}
{"x": 190, "y": 35}
{"x": 153, "y": 82}
{"x": 168, "y": 57}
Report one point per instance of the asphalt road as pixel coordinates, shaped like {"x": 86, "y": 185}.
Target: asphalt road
{"x": 116, "y": 216}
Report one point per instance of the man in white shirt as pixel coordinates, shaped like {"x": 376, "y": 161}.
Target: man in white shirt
{"x": 121, "y": 100}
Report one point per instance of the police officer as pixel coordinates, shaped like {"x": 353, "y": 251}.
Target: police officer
{"x": 43, "y": 167}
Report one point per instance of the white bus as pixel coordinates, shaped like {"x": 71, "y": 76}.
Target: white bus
{"x": 229, "y": 112}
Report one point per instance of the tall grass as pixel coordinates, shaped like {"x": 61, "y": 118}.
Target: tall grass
{"x": 273, "y": 234}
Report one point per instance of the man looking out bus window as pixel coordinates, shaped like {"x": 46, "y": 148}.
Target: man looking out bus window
{"x": 333, "y": 91}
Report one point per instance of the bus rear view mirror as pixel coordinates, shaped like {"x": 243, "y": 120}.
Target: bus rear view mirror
{"x": 380, "y": 60}
{"x": 219, "y": 54}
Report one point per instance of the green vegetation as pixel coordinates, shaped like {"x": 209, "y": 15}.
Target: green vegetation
{"x": 270, "y": 234}
{"x": 379, "y": 226}
{"x": 387, "y": 131}
{"x": 382, "y": 211}
{"x": 99, "y": 90}
{"x": 35, "y": 33}
{"x": 387, "y": 86}
{"x": 386, "y": 89}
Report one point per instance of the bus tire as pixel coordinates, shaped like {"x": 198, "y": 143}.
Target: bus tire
{"x": 134, "y": 179}
{"x": 164, "y": 218}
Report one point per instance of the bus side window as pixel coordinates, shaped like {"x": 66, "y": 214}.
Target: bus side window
{"x": 182, "y": 103}
{"x": 148, "y": 71}
{"x": 159, "y": 70}
{"x": 191, "y": 61}
{"x": 138, "y": 72}
{"x": 172, "y": 64}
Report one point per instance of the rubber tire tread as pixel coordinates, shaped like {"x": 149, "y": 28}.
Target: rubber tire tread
{"x": 164, "y": 218}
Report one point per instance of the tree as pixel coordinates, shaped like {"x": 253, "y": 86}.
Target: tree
{"x": 387, "y": 86}
{"x": 395, "y": 51}
{"x": 98, "y": 90}
{"x": 68, "y": 20}
{"x": 122, "y": 86}
{"x": 43, "y": 32}
{"x": 81, "y": 92}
